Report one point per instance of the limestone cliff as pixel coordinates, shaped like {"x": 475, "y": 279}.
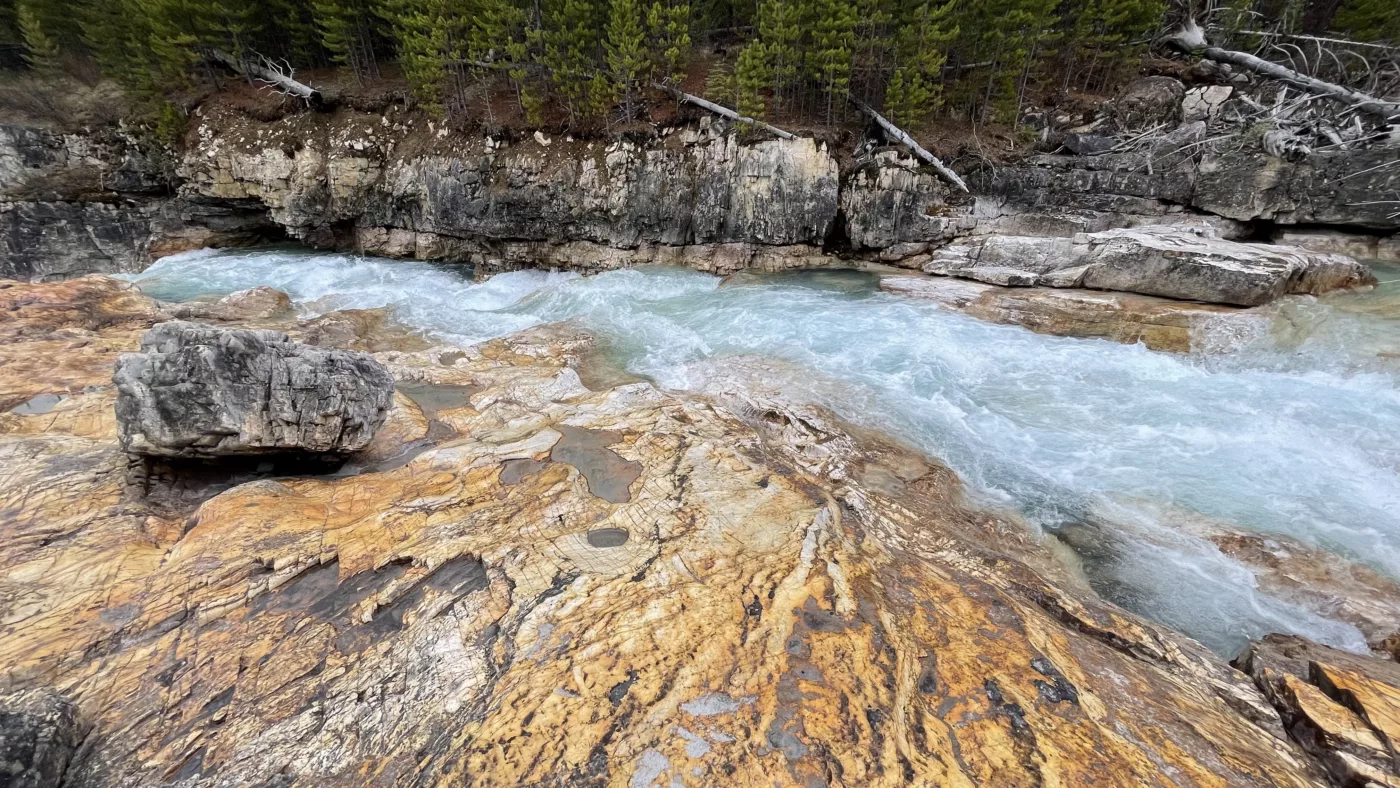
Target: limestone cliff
{"x": 102, "y": 201}
{"x": 397, "y": 184}
{"x": 400, "y": 186}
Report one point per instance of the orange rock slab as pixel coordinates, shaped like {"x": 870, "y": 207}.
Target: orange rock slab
{"x": 758, "y": 600}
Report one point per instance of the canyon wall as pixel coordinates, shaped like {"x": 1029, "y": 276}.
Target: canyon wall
{"x": 398, "y": 185}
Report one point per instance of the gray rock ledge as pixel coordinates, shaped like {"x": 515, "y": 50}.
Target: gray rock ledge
{"x": 1189, "y": 263}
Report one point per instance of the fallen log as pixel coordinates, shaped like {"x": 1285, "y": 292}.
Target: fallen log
{"x": 723, "y": 111}
{"x": 267, "y": 71}
{"x": 899, "y": 135}
{"x": 1192, "y": 39}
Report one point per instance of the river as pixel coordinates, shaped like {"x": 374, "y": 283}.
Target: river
{"x": 1293, "y": 428}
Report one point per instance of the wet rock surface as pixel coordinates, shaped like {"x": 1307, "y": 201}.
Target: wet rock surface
{"x": 199, "y": 391}
{"x": 1159, "y": 323}
{"x": 258, "y": 303}
{"x": 572, "y": 586}
{"x": 1182, "y": 263}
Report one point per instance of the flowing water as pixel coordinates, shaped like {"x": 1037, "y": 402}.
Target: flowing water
{"x": 1293, "y": 428}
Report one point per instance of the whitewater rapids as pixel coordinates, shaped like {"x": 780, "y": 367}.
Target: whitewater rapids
{"x": 1295, "y": 432}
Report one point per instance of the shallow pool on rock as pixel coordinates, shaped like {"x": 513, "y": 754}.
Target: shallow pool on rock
{"x": 1293, "y": 429}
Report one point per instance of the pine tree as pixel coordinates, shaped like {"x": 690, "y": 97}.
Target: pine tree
{"x": 920, "y": 43}
{"x": 291, "y": 31}
{"x": 752, "y": 75}
{"x": 628, "y": 61}
{"x": 347, "y": 29}
{"x": 1369, "y": 20}
{"x": 833, "y": 45}
{"x": 873, "y": 56}
{"x": 420, "y": 32}
{"x": 668, "y": 27}
{"x": 1108, "y": 36}
{"x": 570, "y": 37}
{"x": 721, "y": 86}
{"x": 174, "y": 27}
{"x": 780, "y": 28}
{"x": 9, "y": 23}
{"x": 1012, "y": 38}
{"x": 500, "y": 35}
{"x": 41, "y": 48}
{"x": 116, "y": 34}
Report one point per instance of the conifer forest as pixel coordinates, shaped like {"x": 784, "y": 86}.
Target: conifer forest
{"x": 589, "y": 64}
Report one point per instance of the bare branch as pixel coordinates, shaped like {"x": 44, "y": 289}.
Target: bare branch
{"x": 280, "y": 77}
{"x": 899, "y": 134}
{"x": 1342, "y": 41}
{"x": 722, "y": 111}
{"x": 1191, "y": 38}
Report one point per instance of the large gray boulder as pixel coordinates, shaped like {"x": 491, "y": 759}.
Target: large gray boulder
{"x": 39, "y": 733}
{"x": 1182, "y": 262}
{"x": 199, "y": 391}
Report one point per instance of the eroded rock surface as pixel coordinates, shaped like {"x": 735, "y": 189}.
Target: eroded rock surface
{"x": 258, "y": 303}
{"x": 1173, "y": 262}
{"x": 100, "y": 201}
{"x": 569, "y": 586}
{"x": 196, "y": 390}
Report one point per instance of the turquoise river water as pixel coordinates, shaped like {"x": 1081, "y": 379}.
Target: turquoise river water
{"x": 1291, "y": 427}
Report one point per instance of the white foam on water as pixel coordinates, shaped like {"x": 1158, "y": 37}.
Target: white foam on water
{"x": 1259, "y": 435}
{"x": 434, "y": 298}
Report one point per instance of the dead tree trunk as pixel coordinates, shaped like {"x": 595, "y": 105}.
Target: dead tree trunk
{"x": 724, "y": 111}
{"x": 1192, "y": 39}
{"x": 899, "y": 135}
{"x": 267, "y": 72}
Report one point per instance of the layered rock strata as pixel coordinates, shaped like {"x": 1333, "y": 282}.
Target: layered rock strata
{"x": 80, "y": 203}
{"x": 396, "y": 184}
{"x": 534, "y": 582}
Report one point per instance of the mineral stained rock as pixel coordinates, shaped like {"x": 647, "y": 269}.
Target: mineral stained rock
{"x": 543, "y": 584}
{"x": 1169, "y": 261}
{"x": 252, "y": 304}
{"x": 200, "y": 391}
{"x": 1342, "y": 708}
{"x": 39, "y": 732}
